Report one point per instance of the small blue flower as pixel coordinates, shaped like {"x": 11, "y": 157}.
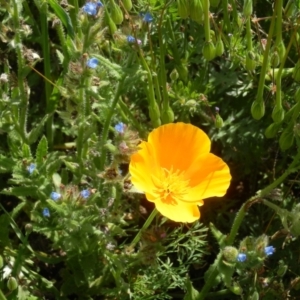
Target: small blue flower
{"x": 46, "y": 212}
{"x": 131, "y": 40}
{"x": 92, "y": 63}
{"x": 85, "y": 194}
{"x": 120, "y": 127}
{"x": 269, "y": 250}
{"x": 147, "y": 17}
{"x": 31, "y": 168}
{"x": 99, "y": 4}
{"x": 90, "y": 8}
{"x": 55, "y": 196}
{"x": 241, "y": 257}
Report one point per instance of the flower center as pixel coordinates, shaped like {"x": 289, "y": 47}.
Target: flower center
{"x": 170, "y": 185}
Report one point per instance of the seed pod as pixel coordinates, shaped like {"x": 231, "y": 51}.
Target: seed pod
{"x": 219, "y": 121}
{"x": 258, "y": 109}
{"x": 278, "y": 114}
{"x": 272, "y": 130}
{"x": 174, "y": 75}
{"x": 286, "y": 139}
{"x": 219, "y": 47}
{"x": 12, "y": 283}
{"x": 111, "y": 25}
{"x": 209, "y": 51}
{"x": 196, "y": 11}
{"x": 247, "y": 8}
{"x": 183, "y": 8}
{"x": 127, "y": 4}
{"x": 116, "y": 13}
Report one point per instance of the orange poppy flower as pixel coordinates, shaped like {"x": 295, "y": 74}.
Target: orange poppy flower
{"x": 176, "y": 171}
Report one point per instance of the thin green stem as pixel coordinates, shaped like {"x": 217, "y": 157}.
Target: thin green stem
{"x": 206, "y": 20}
{"x": 249, "y": 35}
{"x": 111, "y": 112}
{"x": 278, "y": 10}
{"x": 260, "y": 89}
{"x": 145, "y": 226}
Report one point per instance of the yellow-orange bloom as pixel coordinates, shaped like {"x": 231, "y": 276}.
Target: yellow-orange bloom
{"x": 176, "y": 171}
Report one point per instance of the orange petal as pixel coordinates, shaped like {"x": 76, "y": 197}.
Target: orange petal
{"x": 209, "y": 177}
{"x": 141, "y": 166}
{"x": 180, "y": 212}
{"x": 178, "y": 145}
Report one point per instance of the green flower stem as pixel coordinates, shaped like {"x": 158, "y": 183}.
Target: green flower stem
{"x": 238, "y": 220}
{"x": 249, "y": 35}
{"x": 47, "y": 72}
{"x": 227, "y": 24}
{"x": 278, "y": 10}
{"x": 153, "y": 106}
{"x": 2, "y": 297}
{"x": 145, "y": 226}
{"x": 20, "y": 115}
{"x": 111, "y": 112}
{"x": 74, "y": 17}
{"x": 206, "y": 20}
{"x": 260, "y": 89}
{"x": 234, "y": 11}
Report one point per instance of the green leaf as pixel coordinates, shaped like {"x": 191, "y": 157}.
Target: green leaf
{"x": 34, "y": 133}
{"x": 41, "y": 151}
{"x": 192, "y": 293}
{"x": 26, "y": 151}
{"x": 63, "y": 16}
{"x": 6, "y": 164}
{"x": 20, "y": 191}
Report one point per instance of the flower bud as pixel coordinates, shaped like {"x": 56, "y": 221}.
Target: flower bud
{"x": 111, "y": 25}
{"x": 167, "y": 116}
{"x": 236, "y": 289}
{"x": 281, "y": 50}
{"x": 230, "y": 254}
{"x": 290, "y": 9}
{"x": 250, "y": 62}
{"x": 282, "y": 268}
{"x": 196, "y": 11}
{"x": 183, "y": 8}
{"x": 116, "y": 13}
{"x": 254, "y": 296}
{"x": 219, "y": 121}
{"x": 272, "y": 130}
{"x": 247, "y": 8}
{"x": 127, "y": 4}
{"x": 174, "y": 75}
{"x": 258, "y": 109}
{"x": 209, "y": 51}
{"x": 154, "y": 115}
{"x": 275, "y": 59}
{"x": 12, "y": 283}
{"x": 286, "y": 139}
{"x": 219, "y": 47}
{"x": 278, "y": 114}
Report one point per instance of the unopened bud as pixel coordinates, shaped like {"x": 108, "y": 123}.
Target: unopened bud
{"x": 230, "y": 254}
{"x": 272, "y": 130}
{"x": 174, "y": 75}
{"x": 219, "y": 121}
{"x": 278, "y": 114}
{"x": 250, "y": 61}
{"x": 209, "y": 51}
{"x": 219, "y": 47}
{"x": 12, "y": 283}
{"x": 183, "y": 8}
{"x": 167, "y": 116}
{"x": 196, "y": 11}
{"x": 116, "y": 13}
{"x": 127, "y": 4}
{"x": 247, "y": 8}
{"x": 275, "y": 59}
{"x": 286, "y": 139}
{"x": 282, "y": 268}
{"x": 258, "y": 109}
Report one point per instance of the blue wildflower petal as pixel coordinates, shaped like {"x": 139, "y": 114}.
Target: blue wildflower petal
{"x": 120, "y": 127}
{"x": 131, "y": 40}
{"x": 241, "y": 257}
{"x": 46, "y": 212}
{"x": 85, "y": 194}
{"x": 92, "y": 63}
{"x": 269, "y": 250}
{"x": 99, "y": 4}
{"x": 90, "y": 8}
{"x": 147, "y": 17}
{"x": 31, "y": 168}
{"x": 55, "y": 196}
